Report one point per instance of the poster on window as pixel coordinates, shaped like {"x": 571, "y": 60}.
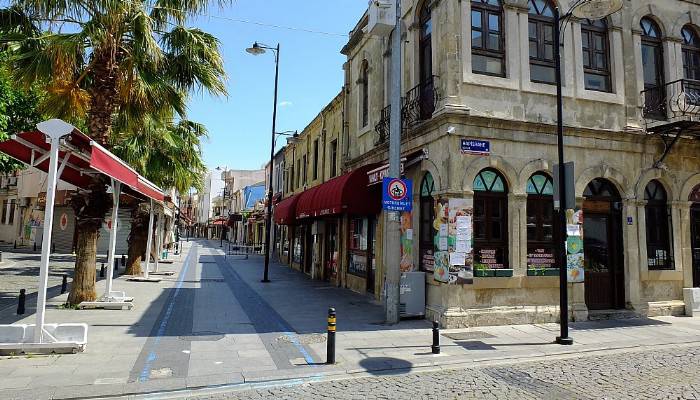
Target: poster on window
{"x": 406, "y": 264}
{"x": 574, "y": 246}
{"x": 454, "y": 255}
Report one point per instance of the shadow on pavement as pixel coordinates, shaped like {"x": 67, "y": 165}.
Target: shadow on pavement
{"x": 381, "y": 366}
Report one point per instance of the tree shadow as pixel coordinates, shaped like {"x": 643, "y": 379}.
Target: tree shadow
{"x": 383, "y": 366}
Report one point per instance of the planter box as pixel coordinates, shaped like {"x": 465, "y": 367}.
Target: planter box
{"x": 484, "y": 273}
{"x": 543, "y": 272}
{"x": 490, "y": 273}
{"x": 504, "y": 273}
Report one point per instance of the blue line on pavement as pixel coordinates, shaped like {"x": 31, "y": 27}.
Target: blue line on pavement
{"x": 153, "y": 355}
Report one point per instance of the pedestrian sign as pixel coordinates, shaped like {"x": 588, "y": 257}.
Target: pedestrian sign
{"x": 397, "y": 194}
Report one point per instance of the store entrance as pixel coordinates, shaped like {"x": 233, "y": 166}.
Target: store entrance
{"x": 371, "y": 245}
{"x": 695, "y": 242}
{"x": 330, "y": 267}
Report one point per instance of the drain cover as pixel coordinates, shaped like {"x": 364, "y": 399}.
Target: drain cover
{"x": 310, "y": 338}
{"x": 161, "y": 373}
{"x": 203, "y": 336}
{"x": 468, "y": 335}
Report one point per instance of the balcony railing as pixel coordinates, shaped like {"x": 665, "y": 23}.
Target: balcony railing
{"x": 418, "y": 105}
{"x": 676, "y": 99}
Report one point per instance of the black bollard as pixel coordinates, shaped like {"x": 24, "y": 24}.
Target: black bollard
{"x": 123, "y": 260}
{"x": 0, "y": 256}
{"x": 53, "y": 248}
{"x": 436, "y": 338}
{"x": 15, "y": 244}
{"x": 21, "y": 300}
{"x": 64, "y": 284}
{"x": 34, "y": 246}
{"x": 102, "y": 270}
{"x": 116, "y": 269}
{"x": 330, "y": 348}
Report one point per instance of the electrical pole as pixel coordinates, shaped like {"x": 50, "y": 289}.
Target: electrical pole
{"x": 392, "y": 243}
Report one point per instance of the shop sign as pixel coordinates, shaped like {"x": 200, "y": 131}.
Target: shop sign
{"x": 397, "y": 194}
{"x": 63, "y": 224}
{"x": 377, "y": 175}
{"x": 475, "y": 146}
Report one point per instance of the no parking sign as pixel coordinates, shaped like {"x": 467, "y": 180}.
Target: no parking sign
{"x": 397, "y": 194}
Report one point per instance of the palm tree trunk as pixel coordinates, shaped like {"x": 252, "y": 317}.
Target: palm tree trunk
{"x": 83, "y": 286}
{"x": 137, "y": 238}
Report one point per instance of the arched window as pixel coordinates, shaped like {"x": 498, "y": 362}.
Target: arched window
{"x": 490, "y": 220}
{"x": 659, "y": 254}
{"x": 653, "y": 69}
{"x": 541, "y": 232}
{"x": 427, "y": 217}
{"x": 541, "y": 38}
{"x": 695, "y": 195}
{"x": 364, "y": 89}
{"x": 596, "y": 55}
{"x": 691, "y": 53}
{"x": 488, "y": 38}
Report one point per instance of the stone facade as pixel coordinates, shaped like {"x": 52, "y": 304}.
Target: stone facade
{"x": 607, "y": 137}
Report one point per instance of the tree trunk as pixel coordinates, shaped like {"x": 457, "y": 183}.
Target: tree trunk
{"x": 90, "y": 209}
{"x": 137, "y": 238}
{"x": 83, "y": 286}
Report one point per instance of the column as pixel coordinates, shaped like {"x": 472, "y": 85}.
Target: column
{"x": 685, "y": 255}
{"x": 635, "y": 252}
{"x": 517, "y": 233}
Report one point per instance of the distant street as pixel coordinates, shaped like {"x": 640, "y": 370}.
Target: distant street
{"x": 670, "y": 373}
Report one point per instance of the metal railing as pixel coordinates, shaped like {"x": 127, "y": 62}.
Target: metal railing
{"x": 679, "y": 98}
{"x": 418, "y": 105}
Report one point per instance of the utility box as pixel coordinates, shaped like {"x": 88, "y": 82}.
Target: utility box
{"x": 412, "y": 294}
{"x": 382, "y": 17}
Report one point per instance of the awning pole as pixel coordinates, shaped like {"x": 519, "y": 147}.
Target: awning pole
{"x": 149, "y": 243}
{"x": 116, "y": 190}
{"x": 159, "y": 237}
{"x": 54, "y": 129}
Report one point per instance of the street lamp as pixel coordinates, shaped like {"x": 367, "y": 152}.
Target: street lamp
{"x": 256, "y": 50}
{"x": 589, "y": 9}
{"x": 223, "y": 200}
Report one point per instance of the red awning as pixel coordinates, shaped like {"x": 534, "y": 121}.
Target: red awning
{"x": 345, "y": 194}
{"x": 79, "y": 158}
{"x": 285, "y": 210}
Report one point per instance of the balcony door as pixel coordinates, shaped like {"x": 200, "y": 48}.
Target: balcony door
{"x": 427, "y": 88}
{"x": 653, "y": 70}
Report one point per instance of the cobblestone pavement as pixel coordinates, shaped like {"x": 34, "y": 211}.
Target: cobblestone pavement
{"x": 668, "y": 373}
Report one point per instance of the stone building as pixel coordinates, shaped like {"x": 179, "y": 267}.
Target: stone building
{"x": 479, "y": 138}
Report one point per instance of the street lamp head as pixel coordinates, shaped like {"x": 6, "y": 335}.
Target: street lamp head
{"x": 596, "y": 9}
{"x": 256, "y": 49}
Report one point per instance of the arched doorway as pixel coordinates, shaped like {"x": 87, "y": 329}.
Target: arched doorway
{"x": 695, "y": 233}
{"x": 602, "y": 246}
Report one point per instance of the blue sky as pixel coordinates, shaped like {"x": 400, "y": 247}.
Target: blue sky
{"x": 310, "y": 73}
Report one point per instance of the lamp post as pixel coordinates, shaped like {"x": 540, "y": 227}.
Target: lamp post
{"x": 588, "y": 9}
{"x": 258, "y": 49}
{"x": 223, "y": 201}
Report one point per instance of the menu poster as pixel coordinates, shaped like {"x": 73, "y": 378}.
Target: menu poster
{"x": 541, "y": 258}
{"x": 442, "y": 268}
{"x": 460, "y": 241}
{"x": 491, "y": 258}
{"x": 574, "y": 246}
{"x": 406, "y": 264}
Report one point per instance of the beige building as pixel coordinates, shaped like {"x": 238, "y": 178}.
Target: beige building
{"x": 480, "y": 74}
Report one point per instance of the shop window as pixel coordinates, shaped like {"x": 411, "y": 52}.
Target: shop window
{"x": 298, "y": 250}
{"x": 691, "y": 53}
{"x": 656, "y": 211}
{"x": 541, "y": 225}
{"x": 541, "y": 40}
{"x": 358, "y": 253}
{"x": 427, "y": 218}
{"x": 490, "y": 220}
{"x": 596, "y": 55}
{"x": 488, "y": 38}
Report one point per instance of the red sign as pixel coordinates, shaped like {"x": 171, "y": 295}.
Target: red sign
{"x": 63, "y": 222}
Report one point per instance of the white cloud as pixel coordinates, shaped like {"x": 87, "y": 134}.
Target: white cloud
{"x": 285, "y": 103}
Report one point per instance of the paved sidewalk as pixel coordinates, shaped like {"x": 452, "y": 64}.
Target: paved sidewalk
{"x": 214, "y": 324}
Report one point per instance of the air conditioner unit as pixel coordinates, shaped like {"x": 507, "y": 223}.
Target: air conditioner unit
{"x": 382, "y": 17}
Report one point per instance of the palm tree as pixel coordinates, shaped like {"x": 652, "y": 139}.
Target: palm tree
{"x": 100, "y": 59}
{"x": 168, "y": 154}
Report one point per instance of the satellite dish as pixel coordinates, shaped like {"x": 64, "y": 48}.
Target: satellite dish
{"x": 596, "y": 9}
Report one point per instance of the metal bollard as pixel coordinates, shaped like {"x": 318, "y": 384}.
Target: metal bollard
{"x": 53, "y": 248}
{"x": 116, "y": 269}
{"x": 436, "y": 338}
{"x": 102, "y": 270}
{"x": 64, "y": 284}
{"x": 15, "y": 244}
{"x": 330, "y": 348}
{"x": 34, "y": 246}
{"x": 21, "y": 300}
{"x": 0, "y": 256}
{"x": 123, "y": 260}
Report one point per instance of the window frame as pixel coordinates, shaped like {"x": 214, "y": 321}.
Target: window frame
{"x": 315, "y": 168}
{"x": 537, "y": 202}
{"x": 689, "y": 50}
{"x": 541, "y": 22}
{"x": 334, "y": 158}
{"x": 489, "y": 198}
{"x": 590, "y": 30}
{"x": 364, "y": 95}
{"x": 486, "y": 10}
{"x": 658, "y": 222}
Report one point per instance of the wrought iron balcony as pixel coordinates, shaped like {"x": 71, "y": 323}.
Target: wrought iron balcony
{"x": 418, "y": 105}
{"x": 672, "y": 106}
